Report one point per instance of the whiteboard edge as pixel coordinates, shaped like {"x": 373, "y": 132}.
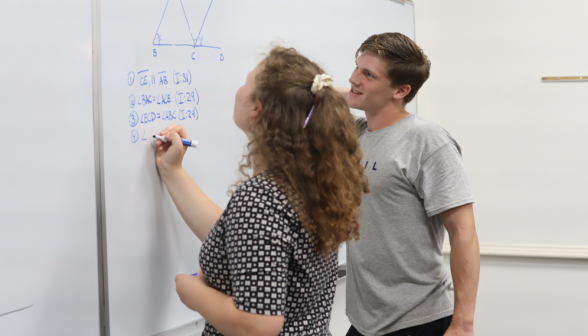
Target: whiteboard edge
{"x": 99, "y": 169}
{"x": 192, "y": 328}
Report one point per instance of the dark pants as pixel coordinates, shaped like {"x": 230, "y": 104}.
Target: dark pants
{"x": 435, "y": 328}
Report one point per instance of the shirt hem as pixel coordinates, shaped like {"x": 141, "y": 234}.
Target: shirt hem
{"x": 404, "y": 325}
{"x": 450, "y": 206}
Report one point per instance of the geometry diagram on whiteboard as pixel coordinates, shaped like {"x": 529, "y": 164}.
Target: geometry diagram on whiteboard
{"x": 174, "y": 27}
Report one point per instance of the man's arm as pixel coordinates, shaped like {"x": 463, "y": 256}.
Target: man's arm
{"x": 465, "y": 266}
{"x": 344, "y": 91}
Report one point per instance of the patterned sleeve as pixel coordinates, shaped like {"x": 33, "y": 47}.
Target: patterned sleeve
{"x": 258, "y": 243}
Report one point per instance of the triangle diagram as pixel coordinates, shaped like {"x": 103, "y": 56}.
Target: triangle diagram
{"x": 174, "y": 29}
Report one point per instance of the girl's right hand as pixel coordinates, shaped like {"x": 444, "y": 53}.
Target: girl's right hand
{"x": 169, "y": 156}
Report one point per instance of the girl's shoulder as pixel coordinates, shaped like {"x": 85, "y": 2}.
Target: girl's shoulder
{"x": 262, "y": 191}
{"x": 260, "y": 208}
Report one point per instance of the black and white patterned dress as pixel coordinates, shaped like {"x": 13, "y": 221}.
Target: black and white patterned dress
{"x": 259, "y": 254}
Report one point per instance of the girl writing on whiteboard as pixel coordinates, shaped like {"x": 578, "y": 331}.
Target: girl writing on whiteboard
{"x": 269, "y": 260}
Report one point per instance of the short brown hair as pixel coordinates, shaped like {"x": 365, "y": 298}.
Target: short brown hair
{"x": 406, "y": 63}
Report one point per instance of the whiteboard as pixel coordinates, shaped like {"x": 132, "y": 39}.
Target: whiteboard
{"x": 48, "y": 239}
{"x": 174, "y": 61}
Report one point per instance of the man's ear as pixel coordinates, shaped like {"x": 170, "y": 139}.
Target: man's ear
{"x": 401, "y": 91}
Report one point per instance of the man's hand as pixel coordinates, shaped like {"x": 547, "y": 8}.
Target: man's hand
{"x": 344, "y": 91}
{"x": 454, "y": 330}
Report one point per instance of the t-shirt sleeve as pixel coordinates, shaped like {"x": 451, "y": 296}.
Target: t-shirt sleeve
{"x": 360, "y": 125}
{"x": 258, "y": 251}
{"x": 442, "y": 182}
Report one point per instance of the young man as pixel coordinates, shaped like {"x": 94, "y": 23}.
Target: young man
{"x": 397, "y": 283}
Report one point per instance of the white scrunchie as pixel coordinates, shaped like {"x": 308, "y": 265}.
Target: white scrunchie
{"x": 320, "y": 81}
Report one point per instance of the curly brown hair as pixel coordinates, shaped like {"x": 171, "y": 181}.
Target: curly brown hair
{"x": 317, "y": 167}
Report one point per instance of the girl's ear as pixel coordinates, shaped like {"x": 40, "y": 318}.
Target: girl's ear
{"x": 257, "y": 109}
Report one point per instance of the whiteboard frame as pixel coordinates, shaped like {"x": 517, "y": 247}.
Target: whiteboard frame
{"x": 99, "y": 169}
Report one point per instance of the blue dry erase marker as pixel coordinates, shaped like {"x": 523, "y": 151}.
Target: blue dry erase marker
{"x": 187, "y": 143}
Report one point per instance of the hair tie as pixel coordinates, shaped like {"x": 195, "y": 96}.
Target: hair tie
{"x": 308, "y": 118}
{"x": 319, "y": 82}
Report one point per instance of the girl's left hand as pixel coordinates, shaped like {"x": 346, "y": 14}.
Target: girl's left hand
{"x": 188, "y": 286}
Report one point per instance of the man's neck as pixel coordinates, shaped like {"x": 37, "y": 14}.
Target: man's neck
{"x": 384, "y": 118}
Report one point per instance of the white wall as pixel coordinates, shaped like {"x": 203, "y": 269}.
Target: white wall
{"x": 524, "y": 143}
{"x": 516, "y": 297}
{"x": 527, "y": 297}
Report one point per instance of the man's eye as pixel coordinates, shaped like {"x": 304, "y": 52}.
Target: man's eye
{"x": 369, "y": 75}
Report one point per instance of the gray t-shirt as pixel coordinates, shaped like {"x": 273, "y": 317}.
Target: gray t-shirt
{"x": 396, "y": 277}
